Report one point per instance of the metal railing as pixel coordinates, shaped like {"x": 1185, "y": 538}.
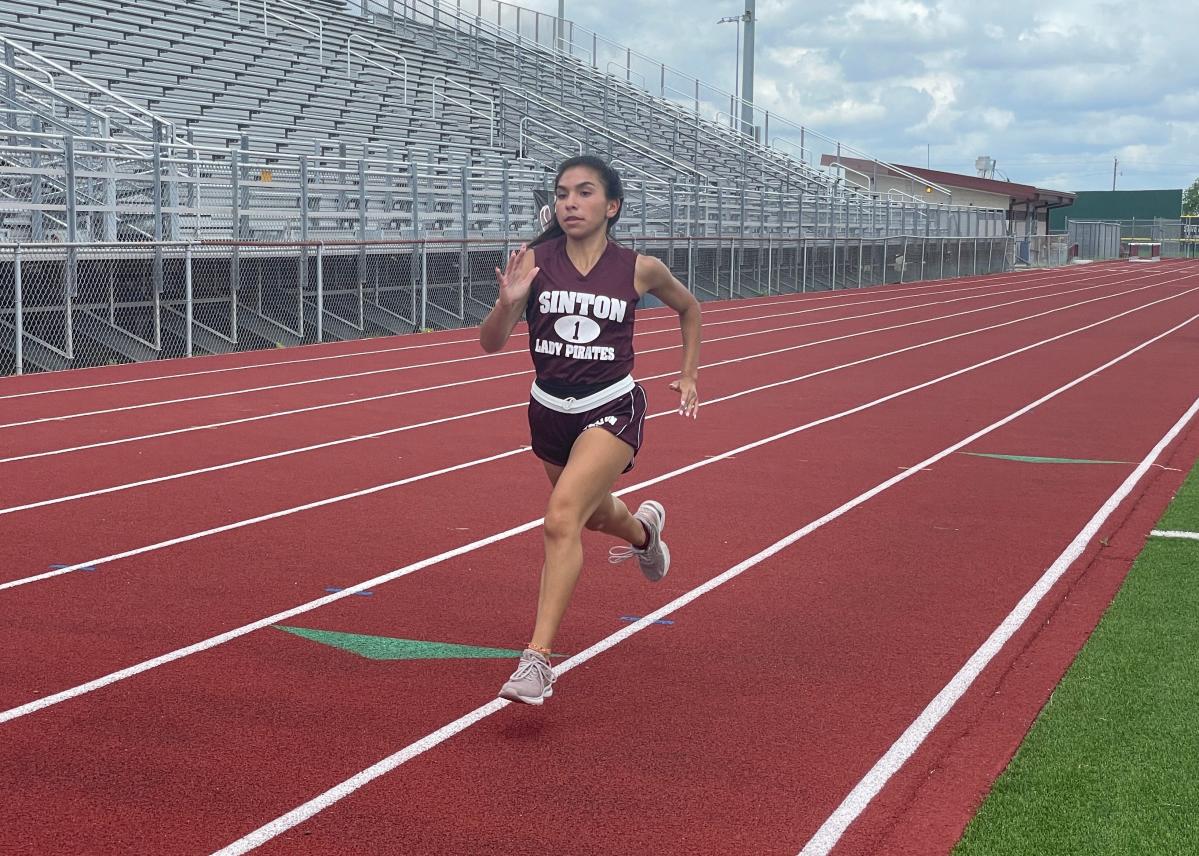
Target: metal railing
{"x": 526, "y": 138}
{"x": 490, "y": 115}
{"x": 301, "y": 10}
{"x": 370, "y": 61}
{"x": 138, "y": 120}
{"x": 172, "y": 190}
{"x": 320, "y": 22}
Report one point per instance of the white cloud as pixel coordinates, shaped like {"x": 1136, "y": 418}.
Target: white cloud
{"x": 1053, "y": 91}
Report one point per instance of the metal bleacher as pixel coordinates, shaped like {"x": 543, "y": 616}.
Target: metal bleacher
{"x": 388, "y": 144}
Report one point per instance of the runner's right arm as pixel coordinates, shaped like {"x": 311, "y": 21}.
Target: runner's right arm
{"x": 515, "y": 282}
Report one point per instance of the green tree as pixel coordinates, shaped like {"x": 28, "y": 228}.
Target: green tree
{"x": 1190, "y": 200}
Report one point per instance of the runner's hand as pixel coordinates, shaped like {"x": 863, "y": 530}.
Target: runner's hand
{"x": 514, "y": 289}
{"x": 688, "y": 397}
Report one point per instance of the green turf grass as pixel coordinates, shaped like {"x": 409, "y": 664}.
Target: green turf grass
{"x": 1111, "y": 766}
{"x": 1183, "y": 513}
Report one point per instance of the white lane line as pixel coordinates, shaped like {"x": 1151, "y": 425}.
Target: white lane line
{"x": 377, "y": 434}
{"x": 360, "y": 400}
{"x": 1173, "y": 533}
{"x": 319, "y": 803}
{"x": 855, "y": 802}
{"x": 515, "y": 334}
{"x": 286, "y": 615}
{"x": 505, "y": 353}
{"x": 389, "y": 485}
{"x": 651, "y": 314}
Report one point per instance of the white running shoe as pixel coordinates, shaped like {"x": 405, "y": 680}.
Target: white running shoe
{"x": 532, "y": 682}
{"x": 655, "y": 558}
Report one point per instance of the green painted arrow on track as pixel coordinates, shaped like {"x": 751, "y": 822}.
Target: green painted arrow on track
{"x": 1032, "y": 459}
{"x": 386, "y": 648}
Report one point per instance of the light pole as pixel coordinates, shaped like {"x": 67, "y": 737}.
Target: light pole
{"x": 735, "y": 19}
{"x": 743, "y": 86}
{"x": 561, "y": 34}
{"x": 747, "y": 71}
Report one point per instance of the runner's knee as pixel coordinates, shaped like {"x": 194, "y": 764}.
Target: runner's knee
{"x": 562, "y": 521}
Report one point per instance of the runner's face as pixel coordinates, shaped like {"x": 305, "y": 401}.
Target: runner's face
{"x": 580, "y": 204}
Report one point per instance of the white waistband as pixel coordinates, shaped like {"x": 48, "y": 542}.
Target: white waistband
{"x": 580, "y": 405}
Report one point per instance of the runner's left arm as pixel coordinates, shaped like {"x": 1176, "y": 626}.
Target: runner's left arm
{"x": 655, "y": 278}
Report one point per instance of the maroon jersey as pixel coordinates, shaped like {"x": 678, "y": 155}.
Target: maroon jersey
{"x": 581, "y": 327}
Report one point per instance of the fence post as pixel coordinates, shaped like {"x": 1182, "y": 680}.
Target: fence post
{"x": 320, "y": 291}
{"x": 424, "y": 287}
{"x": 71, "y": 285}
{"x": 20, "y": 309}
{"x": 158, "y": 232}
{"x": 670, "y": 240}
{"x": 737, "y": 272}
{"x": 415, "y": 231}
{"x": 801, "y": 249}
{"x": 719, "y": 240}
{"x": 303, "y": 223}
{"x": 362, "y": 224}
{"x": 505, "y": 205}
{"x": 463, "y": 279}
{"x": 860, "y": 251}
{"x": 769, "y": 264}
{"x": 188, "y": 308}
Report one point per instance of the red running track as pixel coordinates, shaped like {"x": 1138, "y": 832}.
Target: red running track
{"x": 740, "y": 727}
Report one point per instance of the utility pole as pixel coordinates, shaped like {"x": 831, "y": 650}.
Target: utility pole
{"x": 747, "y": 72}
{"x": 743, "y": 89}
{"x": 1115, "y": 163}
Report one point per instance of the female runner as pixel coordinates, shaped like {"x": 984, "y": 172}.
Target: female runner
{"x": 578, "y": 289}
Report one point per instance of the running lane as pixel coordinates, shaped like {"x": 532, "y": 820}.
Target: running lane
{"x": 406, "y": 358}
{"x": 40, "y": 476}
{"x": 302, "y": 742}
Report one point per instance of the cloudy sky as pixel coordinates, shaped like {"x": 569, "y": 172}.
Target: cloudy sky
{"x": 1053, "y": 90}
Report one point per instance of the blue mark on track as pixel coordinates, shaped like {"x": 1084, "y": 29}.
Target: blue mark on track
{"x": 91, "y": 569}
{"x": 335, "y": 589}
{"x": 632, "y": 618}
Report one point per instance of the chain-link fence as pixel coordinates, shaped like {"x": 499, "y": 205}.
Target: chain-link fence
{"x": 1047, "y": 251}
{"x": 71, "y": 306}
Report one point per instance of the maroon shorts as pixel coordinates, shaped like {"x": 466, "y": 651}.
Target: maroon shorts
{"x": 554, "y": 433}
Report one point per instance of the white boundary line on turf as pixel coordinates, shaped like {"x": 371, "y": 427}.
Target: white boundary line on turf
{"x": 377, "y": 434}
{"x": 477, "y": 357}
{"x": 1173, "y": 533}
{"x": 303, "y": 812}
{"x": 903, "y": 748}
{"x": 279, "y": 617}
{"x": 808, "y": 297}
